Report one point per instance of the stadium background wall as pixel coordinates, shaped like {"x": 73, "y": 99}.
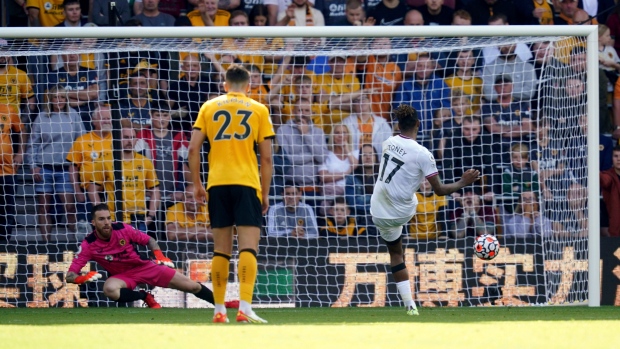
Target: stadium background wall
{"x": 316, "y": 273}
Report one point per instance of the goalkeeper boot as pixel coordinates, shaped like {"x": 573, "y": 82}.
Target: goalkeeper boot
{"x": 249, "y": 318}
{"x": 220, "y": 318}
{"x": 412, "y": 310}
{"x": 150, "y": 301}
{"x": 232, "y": 304}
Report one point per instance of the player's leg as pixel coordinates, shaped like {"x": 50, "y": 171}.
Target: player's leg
{"x": 120, "y": 288}
{"x": 391, "y": 232}
{"x": 221, "y": 205}
{"x": 249, "y": 219}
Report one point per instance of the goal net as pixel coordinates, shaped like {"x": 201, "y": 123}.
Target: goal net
{"x": 514, "y": 108}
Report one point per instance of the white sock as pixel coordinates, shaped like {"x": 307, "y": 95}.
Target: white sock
{"x": 404, "y": 288}
{"x": 220, "y": 308}
{"x": 245, "y": 307}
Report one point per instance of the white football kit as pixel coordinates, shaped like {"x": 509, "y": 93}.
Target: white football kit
{"x": 404, "y": 165}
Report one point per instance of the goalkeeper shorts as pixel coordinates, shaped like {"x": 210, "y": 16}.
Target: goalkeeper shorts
{"x": 149, "y": 273}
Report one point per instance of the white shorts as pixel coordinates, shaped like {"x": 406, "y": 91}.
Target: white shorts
{"x": 390, "y": 229}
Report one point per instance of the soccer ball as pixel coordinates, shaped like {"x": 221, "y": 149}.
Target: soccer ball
{"x": 486, "y": 247}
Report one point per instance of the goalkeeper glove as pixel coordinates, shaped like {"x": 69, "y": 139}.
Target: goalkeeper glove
{"x": 90, "y": 277}
{"x": 161, "y": 259}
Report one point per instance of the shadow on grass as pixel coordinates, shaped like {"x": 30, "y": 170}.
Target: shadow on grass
{"x": 316, "y": 316}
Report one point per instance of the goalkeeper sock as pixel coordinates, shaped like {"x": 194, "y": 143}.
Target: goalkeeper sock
{"x": 128, "y": 295}
{"x": 404, "y": 288}
{"x": 205, "y": 294}
{"x": 247, "y": 275}
{"x": 219, "y": 276}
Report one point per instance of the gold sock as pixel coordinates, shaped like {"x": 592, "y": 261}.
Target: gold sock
{"x": 247, "y": 274}
{"x": 219, "y": 276}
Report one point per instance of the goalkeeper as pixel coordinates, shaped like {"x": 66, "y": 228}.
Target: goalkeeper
{"x": 111, "y": 245}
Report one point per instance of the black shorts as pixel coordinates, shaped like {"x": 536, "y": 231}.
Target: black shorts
{"x": 234, "y": 205}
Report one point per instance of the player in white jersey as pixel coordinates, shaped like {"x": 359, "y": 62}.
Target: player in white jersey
{"x": 404, "y": 165}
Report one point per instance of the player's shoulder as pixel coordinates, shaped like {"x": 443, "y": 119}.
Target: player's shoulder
{"x": 90, "y": 238}
{"x": 118, "y": 226}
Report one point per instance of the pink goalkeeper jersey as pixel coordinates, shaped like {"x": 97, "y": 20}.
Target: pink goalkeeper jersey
{"x": 116, "y": 255}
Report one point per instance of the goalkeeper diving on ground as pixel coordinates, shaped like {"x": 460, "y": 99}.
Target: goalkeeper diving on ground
{"x": 111, "y": 245}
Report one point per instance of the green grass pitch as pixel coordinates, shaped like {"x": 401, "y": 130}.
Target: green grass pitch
{"x": 390, "y": 327}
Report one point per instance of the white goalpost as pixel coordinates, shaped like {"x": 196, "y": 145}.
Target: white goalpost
{"x": 339, "y": 260}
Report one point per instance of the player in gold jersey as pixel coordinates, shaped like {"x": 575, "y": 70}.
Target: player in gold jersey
{"x": 234, "y": 125}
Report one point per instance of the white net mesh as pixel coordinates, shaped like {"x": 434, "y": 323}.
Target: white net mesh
{"x": 511, "y": 107}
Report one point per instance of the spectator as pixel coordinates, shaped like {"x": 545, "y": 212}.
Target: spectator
{"x": 360, "y": 185}
{"x": 424, "y": 92}
{"x": 469, "y": 148}
{"x": 341, "y": 160}
{"x": 354, "y": 14}
{"x": 519, "y": 177}
{"x": 9, "y": 164}
{"x": 472, "y": 218}
{"x": 482, "y": 10}
{"x": 461, "y": 17}
{"x": 99, "y": 12}
{"x": 291, "y": 217}
{"x": 88, "y": 148}
{"x": 465, "y": 78}
{"x": 505, "y": 117}
{"x": 193, "y": 88}
{"x": 607, "y": 55}
{"x": 338, "y": 87}
{"x": 336, "y": 12}
{"x": 45, "y": 13}
{"x": 300, "y": 13}
{"x": 302, "y": 90}
{"x": 80, "y": 83}
{"x": 274, "y": 7}
{"x": 543, "y": 12}
{"x": 303, "y": 144}
{"x": 72, "y": 12}
{"x": 461, "y": 107}
{"x": 490, "y": 53}
{"x": 413, "y": 17}
{"x": 520, "y": 72}
{"x": 567, "y": 10}
{"x": 551, "y": 166}
{"x": 188, "y": 220}
{"x": 549, "y": 73}
{"x": 429, "y": 220}
{"x": 257, "y": 92}
{"x": 259, "y": 15}
{"x": 152, "y": 17}
{"x": 365, "y": 126}
{"x": 53, "y": 133}
{"x": 610, "y": 186}
{"x": 175, "y": 8}
{"x": 436, "y": 13}
{"x": 613, "y": 22}
{"x": 565, "y": 122}
{"x": 380, "y": 75}
{"x": 136, "y": 107}
{"x": 140, "y": 182}
{"x": 340, "y": 223}
{"x": 240, "y": 19}
{"x": 207, "y": 14}
{"x": 575, "y": 218}
{"x": 169, "y": 151}
{"x": 527, "y": 220}
{"x": 17, "y": 87}
{"x": 388, "y": 12}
